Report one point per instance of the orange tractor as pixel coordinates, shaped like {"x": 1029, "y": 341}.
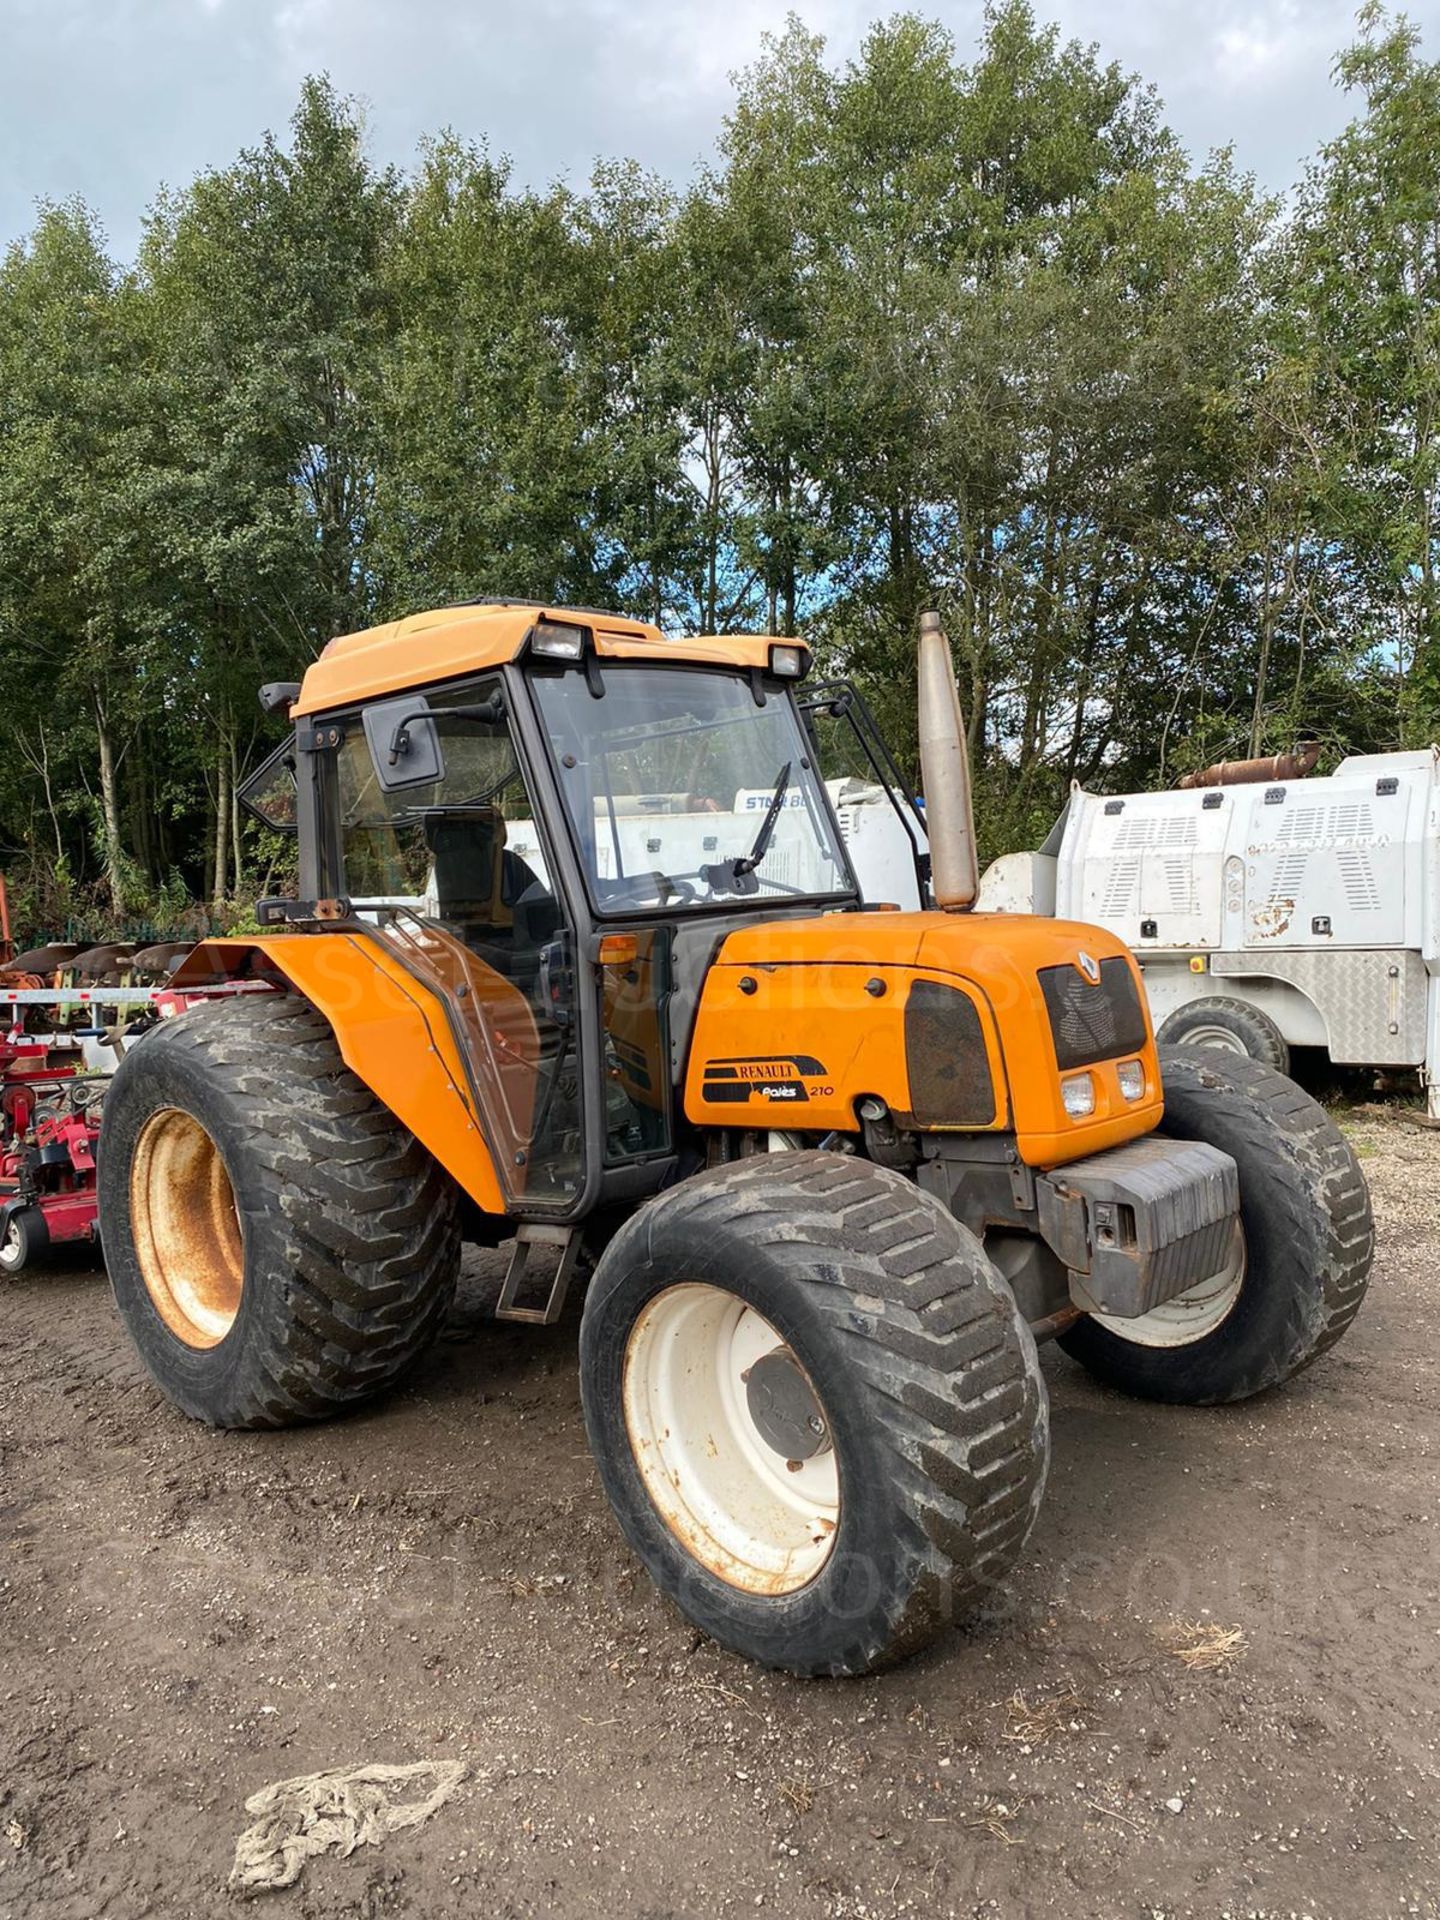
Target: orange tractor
{"x": 580, "y": 964}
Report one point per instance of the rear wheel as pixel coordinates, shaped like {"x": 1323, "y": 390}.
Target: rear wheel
{"x": 1229, "y": 1026}
{"x": 814, "y": 1407}
{"x": 279, "y": 1246}
{"x": 1297, "y": 1267}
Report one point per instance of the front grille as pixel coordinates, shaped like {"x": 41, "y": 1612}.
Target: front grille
{"x": 1091, "y": 1022}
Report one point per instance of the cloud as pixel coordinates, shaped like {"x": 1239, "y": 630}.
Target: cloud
{"x": 108, "y": 98}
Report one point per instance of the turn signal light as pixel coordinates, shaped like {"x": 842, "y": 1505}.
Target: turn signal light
{"x": 617, "y": 949}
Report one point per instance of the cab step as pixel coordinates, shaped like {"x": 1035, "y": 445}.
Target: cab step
{"x": 565, "y": 1241}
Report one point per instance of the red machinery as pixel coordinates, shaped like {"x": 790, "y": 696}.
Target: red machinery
{"x": 50, "y": 1119}
{"x": 49, "y": 1123}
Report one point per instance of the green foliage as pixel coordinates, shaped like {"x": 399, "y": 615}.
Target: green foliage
{"x": 930, "y": 329}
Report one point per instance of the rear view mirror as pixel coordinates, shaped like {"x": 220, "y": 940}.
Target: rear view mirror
{"x": 404, "y": 743}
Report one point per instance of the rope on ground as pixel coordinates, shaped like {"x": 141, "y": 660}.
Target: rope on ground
{"x": 333, "y": 1812}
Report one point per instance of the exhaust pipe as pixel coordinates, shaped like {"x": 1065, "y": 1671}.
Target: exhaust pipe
{"x": 1241, "y": 773}
{"x": 945, "y": 772}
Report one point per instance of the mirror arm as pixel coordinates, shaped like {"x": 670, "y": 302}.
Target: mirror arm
{"x": 400, "y": 738}
{"x": 485, "y": 711}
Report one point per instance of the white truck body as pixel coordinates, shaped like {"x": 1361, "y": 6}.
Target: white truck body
{"x": 1316, "y": 901}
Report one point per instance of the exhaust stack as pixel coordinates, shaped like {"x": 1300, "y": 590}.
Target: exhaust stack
{"x": 1240, "y": 773}
{"x": 945, "y": 771}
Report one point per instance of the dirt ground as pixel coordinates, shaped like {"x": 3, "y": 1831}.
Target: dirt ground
{"x": 188, "y": 1616}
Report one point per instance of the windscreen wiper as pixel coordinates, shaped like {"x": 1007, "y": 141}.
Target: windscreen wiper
{"x": 729, "y": 872}
{"x": 767, "y": 825}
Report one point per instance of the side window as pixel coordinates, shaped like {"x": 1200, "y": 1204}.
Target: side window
{"x": 464, "y": 851}
{"x": 269, "y": 794}
{"x": 879, "y": 819}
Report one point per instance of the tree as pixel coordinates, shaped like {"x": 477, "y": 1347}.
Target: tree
{"x": 935, "y": 326}
{"x": 68, "y": 440}
{"x": 266, "y": 311}
{"x": 1368, "y": 236}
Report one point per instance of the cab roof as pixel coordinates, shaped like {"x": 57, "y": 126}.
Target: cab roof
{"x": 448, "y": 641}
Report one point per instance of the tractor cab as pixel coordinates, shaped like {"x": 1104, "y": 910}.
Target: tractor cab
{"x": 558, "y": 845}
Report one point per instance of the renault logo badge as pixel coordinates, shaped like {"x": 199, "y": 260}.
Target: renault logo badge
{"x": 1089, "y": 966}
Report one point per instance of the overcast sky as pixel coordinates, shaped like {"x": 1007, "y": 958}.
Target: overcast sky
{"x": 109, "y": 98}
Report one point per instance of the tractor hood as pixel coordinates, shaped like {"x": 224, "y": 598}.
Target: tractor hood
{"x": 957, "y": 1022}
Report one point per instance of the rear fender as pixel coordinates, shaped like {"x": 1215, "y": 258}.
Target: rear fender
{"x": 392, "y": 1032}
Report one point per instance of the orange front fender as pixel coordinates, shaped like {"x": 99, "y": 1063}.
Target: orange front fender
{"x": 391, "y": 1031}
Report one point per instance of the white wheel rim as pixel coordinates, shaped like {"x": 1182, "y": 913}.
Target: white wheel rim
{"x": 1193, "y": 1315}
{"x": 1221, "y": 1038}
{"x": 12, "y": 1250}
{"x": 754, "y": 1519}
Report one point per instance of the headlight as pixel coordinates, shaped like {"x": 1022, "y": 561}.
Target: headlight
{"x": 788, "y": 663}
{"x": 1131, "y": 1075}
{"x": 1077, "y": 1092}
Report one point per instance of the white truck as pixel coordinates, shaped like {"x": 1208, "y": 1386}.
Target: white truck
{"x": 1265, "y": 916}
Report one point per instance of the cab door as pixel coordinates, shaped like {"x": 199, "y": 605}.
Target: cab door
{"x": 441, "y": 857}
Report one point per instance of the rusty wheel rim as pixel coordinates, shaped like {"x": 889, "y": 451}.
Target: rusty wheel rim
{"x": 187, "y": 1228}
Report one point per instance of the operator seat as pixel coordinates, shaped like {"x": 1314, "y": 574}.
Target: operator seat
{"x": 479, "y": 883}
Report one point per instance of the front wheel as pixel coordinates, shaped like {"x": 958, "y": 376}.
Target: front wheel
{"x": 814, "y": 1407}
{"x": 1297, "y": 1265}
{"x": 25, "y": 1238}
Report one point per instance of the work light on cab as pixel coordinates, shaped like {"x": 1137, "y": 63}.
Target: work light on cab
{"x": 558, "y": 640}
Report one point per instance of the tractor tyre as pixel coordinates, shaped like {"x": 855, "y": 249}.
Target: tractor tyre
{"x": 1228, "y": 1026}
{"x": 814, "y": 1407}
{"x": 25, "y": 1238}
{"x": 1301, "y": 1257}
{"x": 280, "y": 1247}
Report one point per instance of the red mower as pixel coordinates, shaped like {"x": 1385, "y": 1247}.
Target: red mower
{"x": 49, "y": 1123}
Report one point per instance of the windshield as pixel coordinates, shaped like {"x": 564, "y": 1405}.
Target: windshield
{"x": 682, "y": 791}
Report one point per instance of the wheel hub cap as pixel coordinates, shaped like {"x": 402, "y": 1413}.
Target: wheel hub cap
{"x": 1220, "y": 1039}
{"x": 782, "y": 1403}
